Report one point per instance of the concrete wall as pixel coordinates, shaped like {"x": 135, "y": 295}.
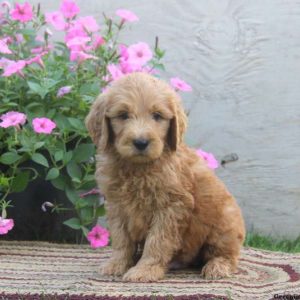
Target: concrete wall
{"x": 243, "y": 60}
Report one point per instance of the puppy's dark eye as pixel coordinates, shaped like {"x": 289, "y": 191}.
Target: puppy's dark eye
{"x": 123, "y": 116}
{"x": 157, "y": 116}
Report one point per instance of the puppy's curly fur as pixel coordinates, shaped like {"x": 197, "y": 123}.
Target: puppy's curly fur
{"x": 160, "y": 196}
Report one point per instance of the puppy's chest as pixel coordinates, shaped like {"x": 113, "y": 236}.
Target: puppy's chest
{"x": 139, "y": 200}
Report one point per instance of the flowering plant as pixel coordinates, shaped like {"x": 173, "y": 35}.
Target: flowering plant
{"x": 46, "y": 88}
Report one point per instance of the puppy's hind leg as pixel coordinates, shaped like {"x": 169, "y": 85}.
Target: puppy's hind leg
{"x": 219, "y": 267}
{"x": 220, "y": 257}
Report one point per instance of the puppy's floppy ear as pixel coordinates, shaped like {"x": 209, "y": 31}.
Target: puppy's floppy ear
{"x": 178, "y": 124}
{"x": 98, "y": 124}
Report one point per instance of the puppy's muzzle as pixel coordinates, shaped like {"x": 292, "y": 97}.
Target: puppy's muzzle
{"x": 140, "y": 144}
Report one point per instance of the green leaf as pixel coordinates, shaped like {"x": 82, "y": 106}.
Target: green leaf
{"x": 61, "y": 122}
{"x": 59, "y": 182}
{"x": 24, "y": 149}
{"x": 9, "y": 105}
{"x": 76, "y": 180}
{"x": 72, "y": 195}
{"x": 100, "y": 211}
{"x": 58, "y": 155}
{"x": 52, "y": 174}
{"x": 26, "y": 141}
{"x": 84, "y": 230}
{"x": 4, "y": 183}
{"x": 5, "y": 100}
{"x": 48, "y": 83}
{"x": 20, "y": 182}
{"x": 91, "y": 88}
{"x": 88, "y": 99}
{"x": 84, "y": 152}
{"x": 9, "y": 158}
{"x": 33, "y": 105}
{"x": 74, "y": 223}
{"x": 160, "y": 53}
{"x": 51, "y": 113}
{"x": 86, "y": 214}
{"x": 57, "y": 75}
{"x": 76, "y": 123}
{"x": 38, "y": 145}
{"x": 38, "y": 89}
{"x": 27, "y": 32}
{"x": 67, "y": 156}
{"x": 74, "y": 170}
{"x": 40, "y": 159}
{"x": 81, "y": 203}
{"x": 91, "y": 200}
{"x": 89, "y": 177}
{"x": 159, "y": 67}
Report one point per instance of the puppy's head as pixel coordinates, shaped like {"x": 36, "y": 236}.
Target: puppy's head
{"x": 139, "y": 117}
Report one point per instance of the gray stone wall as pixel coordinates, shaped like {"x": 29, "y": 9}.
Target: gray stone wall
{"x": 243, "y": 60}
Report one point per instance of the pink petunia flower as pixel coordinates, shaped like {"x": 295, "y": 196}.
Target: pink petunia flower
{"x": 3, "y": 20}
{"x": 98, "y": 237}
{"x": 12, "y": 118}
{"x": 128, "y": 65}
{"x": 149, "y": 70}
{"x": 123, "y": 52}
{"x": 104, "y": 89}
{"x": 56, "y": 19}
{"x": 43, "y": 125}
{"x": 9, "y": 39}
{"x": 89, "y": 24}
{"x": 37, "y": 50}
{"x": 4, "y": 47}
{"x": 78, "y": 43}
{"x": 19, "y": 38}
{"x": 75, "y": 31}
{"x": 93, "y": 191}
{"x": 22, "y": 12}
{"x": 69, "y": 9}
{"x": 98, "y": 41}
{"x": 139, "y": 54}
{"x": 81, "y": 56}
{"x": 115, "y": 72}
{"x": 63, "y": 91}
{"x": 5, "y": 4}
{"x": 37, "y": 59}
{"x": 14, "y": 67}
{"x": 41, "y": 50}
{"x": 39, "y": 38}
{"x": 4, "y": 62}
{"x": 126, "y": 15}
{"x": 6, "y": 225}
{"x": 211, "y": 161}
{"x": 180, "y": 85}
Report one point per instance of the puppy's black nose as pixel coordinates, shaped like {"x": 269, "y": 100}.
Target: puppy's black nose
{"x": 140, "y": 144}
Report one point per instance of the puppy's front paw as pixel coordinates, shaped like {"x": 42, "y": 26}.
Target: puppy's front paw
{"x": 115, "y": 267}
{"x": 216, "y": 268}
{"x": 144, "y": 274}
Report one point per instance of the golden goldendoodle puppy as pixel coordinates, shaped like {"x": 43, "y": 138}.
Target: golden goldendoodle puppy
{"x": 160, "y": 195}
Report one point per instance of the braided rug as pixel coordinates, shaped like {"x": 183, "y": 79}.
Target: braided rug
{"x": 38, "y": 270}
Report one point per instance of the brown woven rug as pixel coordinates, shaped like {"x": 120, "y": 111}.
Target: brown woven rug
{"x": 30, "y": 270}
